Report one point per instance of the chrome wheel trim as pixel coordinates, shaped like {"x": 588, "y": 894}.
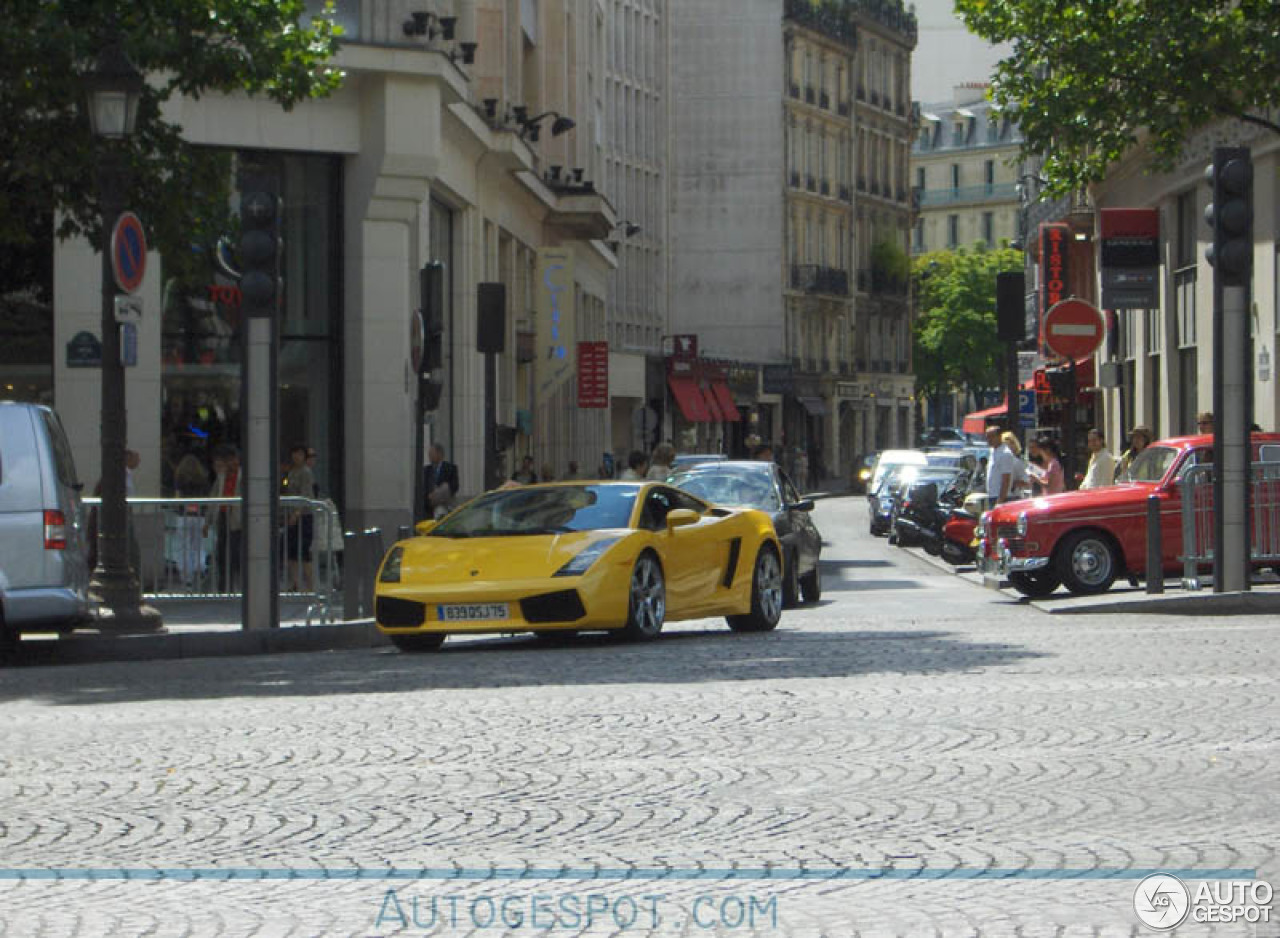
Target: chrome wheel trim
{"x": 648, "y": 597}
{"x": 769, "y": 585}
{"x": 1091, "y": 561}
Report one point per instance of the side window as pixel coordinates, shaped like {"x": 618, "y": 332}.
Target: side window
{"x": 656, "y": 506}
{"x": 789, "y": 493}
{"x": 1269, "y": 452}
{"x": 685, "y": 500}
{"x": 64, "y": 464}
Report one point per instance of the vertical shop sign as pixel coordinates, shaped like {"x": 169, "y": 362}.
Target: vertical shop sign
{"x": 593, "y": 374}
{"x": 1054, "y": 242}
{"x": 555, "y": 307}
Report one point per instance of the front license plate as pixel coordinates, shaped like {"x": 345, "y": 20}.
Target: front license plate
{"x": 472, "y": 612}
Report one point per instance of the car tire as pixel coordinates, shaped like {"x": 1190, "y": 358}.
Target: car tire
{"x": 418, "y": 642}
{"x": 1034, "y": 583}
{"x": 791, "y": 583}
{"x": 811, "y": 585}
{"x": 1087, "y": 562}
{"x": 646, "y": 600}
{"x": 766, "y": 595}
{"x": 8, "y": 642}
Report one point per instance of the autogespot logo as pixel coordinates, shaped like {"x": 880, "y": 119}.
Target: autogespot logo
{"x": 1161, "y": 901}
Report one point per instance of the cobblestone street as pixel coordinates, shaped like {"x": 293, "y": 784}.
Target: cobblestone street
{"x": 911, "y": 730}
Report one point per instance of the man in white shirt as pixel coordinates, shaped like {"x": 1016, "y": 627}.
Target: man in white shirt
{"x": 1102, "y": 465}
{"x": 1001, "y": 468}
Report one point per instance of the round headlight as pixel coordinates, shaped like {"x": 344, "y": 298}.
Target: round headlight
{"x": 1022, "y": 524}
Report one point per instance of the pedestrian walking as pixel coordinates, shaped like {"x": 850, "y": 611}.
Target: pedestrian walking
{"x": 1102, "y": 465}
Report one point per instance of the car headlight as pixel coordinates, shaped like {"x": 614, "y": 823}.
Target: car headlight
{"x": 864, "y": 475}
{"x": 581, "y": 563}
{"x": 1022, "y": 524}
{"x": 390, "y": 572}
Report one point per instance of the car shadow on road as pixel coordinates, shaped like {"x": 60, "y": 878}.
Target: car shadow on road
{"x": 686, "y": 654}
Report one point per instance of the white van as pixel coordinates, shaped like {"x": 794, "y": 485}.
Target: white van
{"x": 44, "y": 568}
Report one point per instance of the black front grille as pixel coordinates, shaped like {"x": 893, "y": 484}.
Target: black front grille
{"x": 399, "y": 613}
{"x": 560, "y": 606}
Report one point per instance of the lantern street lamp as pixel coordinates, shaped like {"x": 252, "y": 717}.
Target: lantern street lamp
{"x": 113, "y": 91}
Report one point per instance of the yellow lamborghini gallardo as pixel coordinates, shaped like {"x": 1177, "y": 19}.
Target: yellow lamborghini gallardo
{"x": 580, "y": 556}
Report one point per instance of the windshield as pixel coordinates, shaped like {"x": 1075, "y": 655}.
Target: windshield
{"x": 553, "y": 509}
{"x": 1152, "y": 463}
{"x": 734, "y": 486}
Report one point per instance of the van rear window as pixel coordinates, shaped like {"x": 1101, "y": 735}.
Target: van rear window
{"x": 63, "y": 463}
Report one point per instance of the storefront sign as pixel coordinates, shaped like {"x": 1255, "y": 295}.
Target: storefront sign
{"x": 1054, "y": 241}
{"x": 1130, "y": 258}
{"x": 555, "y": 308}
{"x": 593, "y": 374}
{"x": 1055, "y": 244}
{"x": 777, "y": 379}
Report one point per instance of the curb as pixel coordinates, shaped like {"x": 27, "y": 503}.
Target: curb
{"x": 1264, "y": 599}
{"x": 78, "y": 649}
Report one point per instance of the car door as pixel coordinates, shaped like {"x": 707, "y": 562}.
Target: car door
{"x": 805, "y": 538}
{"x": 691, "y": 558}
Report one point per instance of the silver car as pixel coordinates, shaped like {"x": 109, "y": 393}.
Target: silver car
{"x": 44, "y": 569}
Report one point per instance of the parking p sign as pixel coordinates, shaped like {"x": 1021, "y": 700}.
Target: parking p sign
{"x": 1027, "y": 407}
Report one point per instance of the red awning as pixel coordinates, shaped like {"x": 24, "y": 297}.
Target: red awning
{"x": 976, "y": 422}
{"x": 727, "y": 407}
{"x": 712, "y": 406}
{"x": 692, "y": 404}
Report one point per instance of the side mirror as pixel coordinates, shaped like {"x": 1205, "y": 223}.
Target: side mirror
{"x": 424, "y": 527}
{"x": 805, "y": 504}
{"x": 681, "y": 517}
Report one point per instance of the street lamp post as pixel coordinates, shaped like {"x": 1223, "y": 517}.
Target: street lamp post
{"x": 114, "y": 90}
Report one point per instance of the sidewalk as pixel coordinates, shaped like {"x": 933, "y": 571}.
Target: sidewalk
{"x": 1263, "y": 597}
{"x": 201, "y": 629}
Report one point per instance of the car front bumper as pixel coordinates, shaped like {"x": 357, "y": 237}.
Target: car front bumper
{"x": 998, "y": 564}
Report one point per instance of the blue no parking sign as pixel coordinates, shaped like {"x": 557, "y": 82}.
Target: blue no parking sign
{"x": 128, "y": 252}
{"x": 1027, "y": 407}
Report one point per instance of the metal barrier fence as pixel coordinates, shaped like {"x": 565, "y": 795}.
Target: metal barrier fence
{"x": 189, "y": 548}
{"x": 1197, "y": 518}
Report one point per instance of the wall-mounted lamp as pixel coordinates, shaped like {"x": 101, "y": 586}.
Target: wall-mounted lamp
{"x": 531, "y": 126}
{"x": 628, "y": 228}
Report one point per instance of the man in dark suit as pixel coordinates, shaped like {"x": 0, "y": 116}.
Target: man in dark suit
{"x": 439, "y": 483}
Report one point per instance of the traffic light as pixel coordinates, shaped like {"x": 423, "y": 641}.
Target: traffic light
{"x": 1230, "y": 215}
{"x": 1011, "y": 306}
{"x": 259, "y": 246}
{"x": 431, "y": 289}
{"x": 1060, "y": 383}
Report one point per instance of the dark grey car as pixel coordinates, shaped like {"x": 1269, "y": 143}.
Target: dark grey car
{"x": 763, "y": 485}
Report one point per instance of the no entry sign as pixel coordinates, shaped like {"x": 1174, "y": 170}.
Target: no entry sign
{"x": 1073, "y": 329}
{"x": 128, "y": 252}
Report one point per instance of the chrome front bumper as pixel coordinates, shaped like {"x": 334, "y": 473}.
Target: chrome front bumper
{"x": 994, "y": 569}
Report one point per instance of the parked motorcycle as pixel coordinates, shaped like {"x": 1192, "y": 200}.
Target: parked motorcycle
{"x": 923, "y": 514}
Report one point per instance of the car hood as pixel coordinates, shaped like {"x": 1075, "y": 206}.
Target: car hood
{"x": 1078, "y": 504}
{"x": 445, "y": 559}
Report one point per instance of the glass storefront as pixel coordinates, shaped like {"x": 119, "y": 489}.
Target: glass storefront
{"x": 26, "y": 318}
{"x": 201, "y": 342}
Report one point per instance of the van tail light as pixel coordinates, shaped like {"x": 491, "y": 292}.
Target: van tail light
{"x": 55, "y": 530}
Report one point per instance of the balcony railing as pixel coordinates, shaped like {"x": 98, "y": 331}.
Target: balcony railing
{"x": 830, "y": 22}
{"x": 812, "y": 278}
{"x": 990, "y": 192}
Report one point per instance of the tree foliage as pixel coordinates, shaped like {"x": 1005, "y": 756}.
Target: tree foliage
{"x": 955, "y": 333}
{"x": 184, "y": 47}
{"x": 1087, "y": 79}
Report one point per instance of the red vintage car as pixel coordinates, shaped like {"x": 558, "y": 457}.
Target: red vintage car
{"x": 1083, "y": 540}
